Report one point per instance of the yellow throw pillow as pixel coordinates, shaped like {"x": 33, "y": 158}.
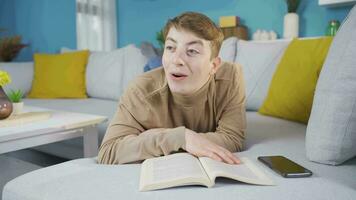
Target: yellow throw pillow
{"x": 60, "y": 75}
{"x": 291, "y": 91}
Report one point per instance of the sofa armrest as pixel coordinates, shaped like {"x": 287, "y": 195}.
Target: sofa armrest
{"x": 21, "y": 75}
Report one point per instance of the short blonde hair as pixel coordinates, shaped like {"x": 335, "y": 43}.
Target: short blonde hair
{"x": 201, "y": 26}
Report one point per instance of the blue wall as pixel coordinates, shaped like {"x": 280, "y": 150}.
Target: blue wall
{"x": 48, "y": 25}
{"x": 144, "y": 17}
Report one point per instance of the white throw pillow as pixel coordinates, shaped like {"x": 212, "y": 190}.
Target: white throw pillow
{"x": 228, "y": 49}
{"x": 108, "y": 73}
{"x": 21, "y": 75}
{"x": 259, "y": 60}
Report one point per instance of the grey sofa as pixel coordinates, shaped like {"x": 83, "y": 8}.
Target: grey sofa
{"x": 85, "y": 179}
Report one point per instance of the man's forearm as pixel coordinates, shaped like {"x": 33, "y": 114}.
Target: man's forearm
{"x": 232, "y": 142}
{"x": 148, "y": 144}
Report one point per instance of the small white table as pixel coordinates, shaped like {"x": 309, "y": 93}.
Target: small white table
{"x": 60, "y": 126}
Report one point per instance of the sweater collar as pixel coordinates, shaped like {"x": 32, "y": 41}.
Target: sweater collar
{"x": 199, "y": 97}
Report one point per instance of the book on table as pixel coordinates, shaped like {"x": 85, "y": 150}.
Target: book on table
{"x": 184, "y": 169}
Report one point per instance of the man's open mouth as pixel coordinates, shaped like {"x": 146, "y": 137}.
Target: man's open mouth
{"x": 178, "y": 76}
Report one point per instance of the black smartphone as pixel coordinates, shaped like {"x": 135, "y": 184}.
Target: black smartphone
{"x": 285, "y": 167}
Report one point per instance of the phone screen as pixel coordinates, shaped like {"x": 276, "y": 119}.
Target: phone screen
{"x": 284, "y": 166}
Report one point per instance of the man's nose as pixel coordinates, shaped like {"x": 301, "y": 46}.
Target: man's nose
{"x": 178, "y": 58}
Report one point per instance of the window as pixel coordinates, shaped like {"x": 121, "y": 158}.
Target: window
{"x": 96, "y": 25}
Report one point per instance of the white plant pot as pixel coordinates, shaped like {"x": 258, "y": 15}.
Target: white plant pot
{"x": 291, "y": 25}
{"x": 17, "y": 108}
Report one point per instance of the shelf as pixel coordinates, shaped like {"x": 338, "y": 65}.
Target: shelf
{"x": 333, "y": 3}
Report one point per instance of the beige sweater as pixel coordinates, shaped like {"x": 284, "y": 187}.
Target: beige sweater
{"x": 216, "y": 111}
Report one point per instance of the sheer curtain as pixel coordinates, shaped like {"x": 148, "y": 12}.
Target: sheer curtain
{"x": 96, "y": 25}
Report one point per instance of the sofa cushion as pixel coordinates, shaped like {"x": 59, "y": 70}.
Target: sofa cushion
{"x": 103, "y": 74}
{"x": 331, "y": 134}
{"x": 85, "y": 179}
{"x": 227, "y": 51}
{"x": 59, "y": 75}
{"x": 21, "y": 75}
{"x": 259, "y": 60}
{"x": 108, "y": 73}
{"x": 291, "y": 91}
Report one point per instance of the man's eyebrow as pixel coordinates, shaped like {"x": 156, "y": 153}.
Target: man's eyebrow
{"x": 171, "y": 39}
{"x": 189, "y": 43}
{"x": 196, "y": 42}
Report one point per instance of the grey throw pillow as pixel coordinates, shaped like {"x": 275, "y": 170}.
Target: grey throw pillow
{"x": 331, "y": 132}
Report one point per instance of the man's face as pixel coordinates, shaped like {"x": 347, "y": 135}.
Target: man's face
{"x": 187, "y": 61}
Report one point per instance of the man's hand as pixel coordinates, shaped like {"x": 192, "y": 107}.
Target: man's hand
{"x": 200, "y": 146}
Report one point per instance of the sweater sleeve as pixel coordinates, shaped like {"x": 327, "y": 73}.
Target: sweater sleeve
{"x": 232, "y": 122}
{"x": 125, "y": 140}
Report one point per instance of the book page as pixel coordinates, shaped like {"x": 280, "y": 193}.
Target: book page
{"x": 172, "y": 170}
{"x": 245, "y": 172}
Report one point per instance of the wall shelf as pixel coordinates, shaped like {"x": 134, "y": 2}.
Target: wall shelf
{"x": 332, "y": 3}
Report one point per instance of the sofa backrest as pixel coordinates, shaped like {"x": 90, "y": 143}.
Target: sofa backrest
{"x": 21, "y": 74}
{"x": 107, "y": 73}
{"x": 259, "y": 60}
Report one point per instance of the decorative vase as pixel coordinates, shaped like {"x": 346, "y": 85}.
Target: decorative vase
{"x": 17, "y": 108}
{"x": 291, "y": 25}
{"x": 5, "y": 105}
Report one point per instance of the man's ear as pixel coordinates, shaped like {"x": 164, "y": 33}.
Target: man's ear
{"x": 216, "y": 62}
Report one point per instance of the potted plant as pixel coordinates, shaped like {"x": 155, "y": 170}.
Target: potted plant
{"x": 291, "y": 19}
{"x": 5, "y": 103}
{"x": 10, "y": 47}
{"x": 15, "y": 97}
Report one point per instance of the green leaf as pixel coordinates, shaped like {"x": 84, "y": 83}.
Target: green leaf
{"x": 15, "y": 96}
{"x": 292, "y": 5}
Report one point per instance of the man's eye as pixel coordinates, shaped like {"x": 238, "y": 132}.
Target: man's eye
{"x": 169, "y": 48}
{"x": 192, "y": 52}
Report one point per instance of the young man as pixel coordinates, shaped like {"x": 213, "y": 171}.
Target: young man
{"x": 194, "y": 103}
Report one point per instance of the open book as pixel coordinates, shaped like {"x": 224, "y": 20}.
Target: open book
{"x": 184, "y": 169}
